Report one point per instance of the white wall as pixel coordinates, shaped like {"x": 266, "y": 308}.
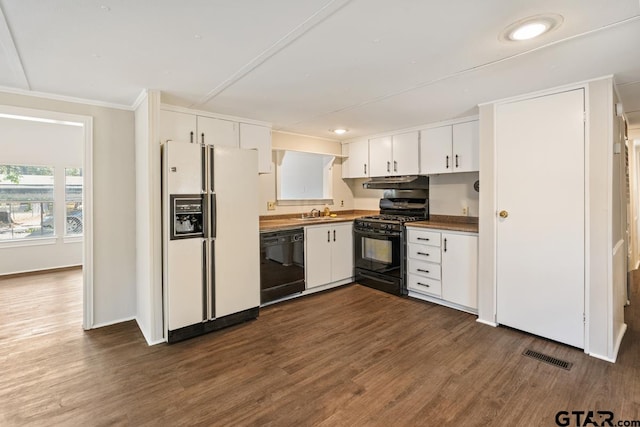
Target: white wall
{"x": 114, "y": 203}
{"x": 26, "y": 142}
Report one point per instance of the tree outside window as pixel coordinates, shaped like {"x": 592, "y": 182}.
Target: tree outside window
{"x": 26, "y": 201}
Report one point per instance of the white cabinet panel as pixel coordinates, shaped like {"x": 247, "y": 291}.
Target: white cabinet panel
{"x": 435, "y": 150}
{"x": 459, "y": 269}
{"x": 212, "y": 131}
{"x": 466, "y": 157}
{"x": 380, "y": 156}
{"x": 342, "y": 251}
{"x": 317, "y": 254}
{"x": 405, "y": 149}
{"x": 357, "y": 160}
{"x": 177, "y": 126}
{"x": 259, "y": 138}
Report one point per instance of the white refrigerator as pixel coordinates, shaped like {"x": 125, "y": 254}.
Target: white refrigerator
{"x": 211, "y": 275}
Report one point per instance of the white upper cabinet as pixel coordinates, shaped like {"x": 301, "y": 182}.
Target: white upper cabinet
{"x": 394, "y": 155}
{"x": 447, "y": 149}
{"x": 258, "y": 137}
{"x": 380, "y": 156}
{"x": 212, "y": 131}
{"x": 357, "y": 163}
{"x": 405, "y": 154}
{"x": 190, "y": 127}
{"x": 466, "y": 156}
{"x": 177, "y": 126}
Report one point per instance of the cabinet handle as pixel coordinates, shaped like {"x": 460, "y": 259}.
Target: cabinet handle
{"x": 457, "y": 161}
{"x": 422, "y": 271}
{"x": 423, "y": 238}
{"x": 365, "y": 168}
{"x": 191, "y": 137}
{"x": 447, "y": 162}
{"x": 202, "y": 136}
{"x": 395, "y": 166}
{"x": 424, "y": 284}
{"x": 445, "y": 245}
{"x": 328, "y": 236}
{"x": 388, "y": 166}
{"x": 423, "y": 253}
{"x": 334, "y": 235}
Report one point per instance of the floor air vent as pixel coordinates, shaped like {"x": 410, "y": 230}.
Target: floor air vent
{"x": 548, "y": 359}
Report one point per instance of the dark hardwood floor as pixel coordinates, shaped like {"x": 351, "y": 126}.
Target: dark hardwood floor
{"x": 349, "y": 357}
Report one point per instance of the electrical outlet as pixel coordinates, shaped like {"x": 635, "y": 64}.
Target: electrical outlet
{"x": 465, "y": 211}
{"x": 271, "y": 206}
{"x": 341, "y": 202}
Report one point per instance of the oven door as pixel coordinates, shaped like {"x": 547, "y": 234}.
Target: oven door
{"x": 378, "y": 253}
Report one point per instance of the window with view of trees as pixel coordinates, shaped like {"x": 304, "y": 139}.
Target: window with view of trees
{"x": 26, "y": 201}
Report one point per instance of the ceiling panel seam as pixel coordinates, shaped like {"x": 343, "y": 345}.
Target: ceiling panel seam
{"x": 471, "y": 69}
{"x": 312, "y": 21}
{"x": 11, "y": 52}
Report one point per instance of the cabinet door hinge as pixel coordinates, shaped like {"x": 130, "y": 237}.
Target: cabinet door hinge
{"x": 584, "y": 116}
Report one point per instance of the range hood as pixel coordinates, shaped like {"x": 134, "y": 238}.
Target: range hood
{"x": 406, "y": 182}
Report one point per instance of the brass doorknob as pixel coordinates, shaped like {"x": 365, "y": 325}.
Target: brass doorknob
{"x": 503, "y": 214}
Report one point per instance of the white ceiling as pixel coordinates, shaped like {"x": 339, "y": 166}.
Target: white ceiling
{"x": 309, "y": 66}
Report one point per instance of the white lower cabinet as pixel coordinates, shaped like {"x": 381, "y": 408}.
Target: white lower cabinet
{"x": 328, "y": 254}
{"x": 443, "y": 265}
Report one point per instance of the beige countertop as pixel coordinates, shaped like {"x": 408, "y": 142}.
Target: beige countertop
{"x": 441, "y": 222}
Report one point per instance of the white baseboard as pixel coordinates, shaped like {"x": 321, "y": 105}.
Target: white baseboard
{"x": 486, "y": 322}
{"x": 113, "y": 322}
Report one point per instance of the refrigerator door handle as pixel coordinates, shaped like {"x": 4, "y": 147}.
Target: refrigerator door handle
{"x": 203, "y": 167}
{"x": 212, "y": 272}
{"x": 205, "y": 286}
{"x": 212, "y": 213}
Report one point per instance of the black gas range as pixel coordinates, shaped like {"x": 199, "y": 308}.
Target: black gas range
{"x": 379, "y": 240}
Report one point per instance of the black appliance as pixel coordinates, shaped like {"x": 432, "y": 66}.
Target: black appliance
{"x": 379, "y": 240}
{"x": 281, "y": 264}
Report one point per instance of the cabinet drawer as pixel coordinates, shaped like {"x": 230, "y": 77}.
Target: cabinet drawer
{"x": 424, "y": 269}
{"x": 424, "y": 285}
{"x": 424, "y": 253}
{"x": 423, "y": 237}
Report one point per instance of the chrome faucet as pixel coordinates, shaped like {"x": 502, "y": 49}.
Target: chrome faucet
{"x": 314, "y": 213}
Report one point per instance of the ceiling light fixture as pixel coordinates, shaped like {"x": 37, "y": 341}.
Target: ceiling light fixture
{"x": 531, "y": 27}
{"x": 340, "y": 131}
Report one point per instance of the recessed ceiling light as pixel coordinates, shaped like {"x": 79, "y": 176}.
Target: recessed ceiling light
{"x": 340, "y": 131}
{"x": 531, "y": 27}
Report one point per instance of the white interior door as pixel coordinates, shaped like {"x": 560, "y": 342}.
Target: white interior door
{"x": 540, "y": 244}
{"x": 237, "y": 234}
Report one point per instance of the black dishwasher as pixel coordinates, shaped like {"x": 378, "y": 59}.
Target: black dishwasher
{"x": 281, "y": 264}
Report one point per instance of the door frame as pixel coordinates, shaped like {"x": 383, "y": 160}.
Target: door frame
{"x": 86, "y": 122}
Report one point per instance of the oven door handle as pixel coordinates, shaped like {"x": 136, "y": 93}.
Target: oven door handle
{"x": 388, "y": 282}
{"x": 378, "y": 235}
